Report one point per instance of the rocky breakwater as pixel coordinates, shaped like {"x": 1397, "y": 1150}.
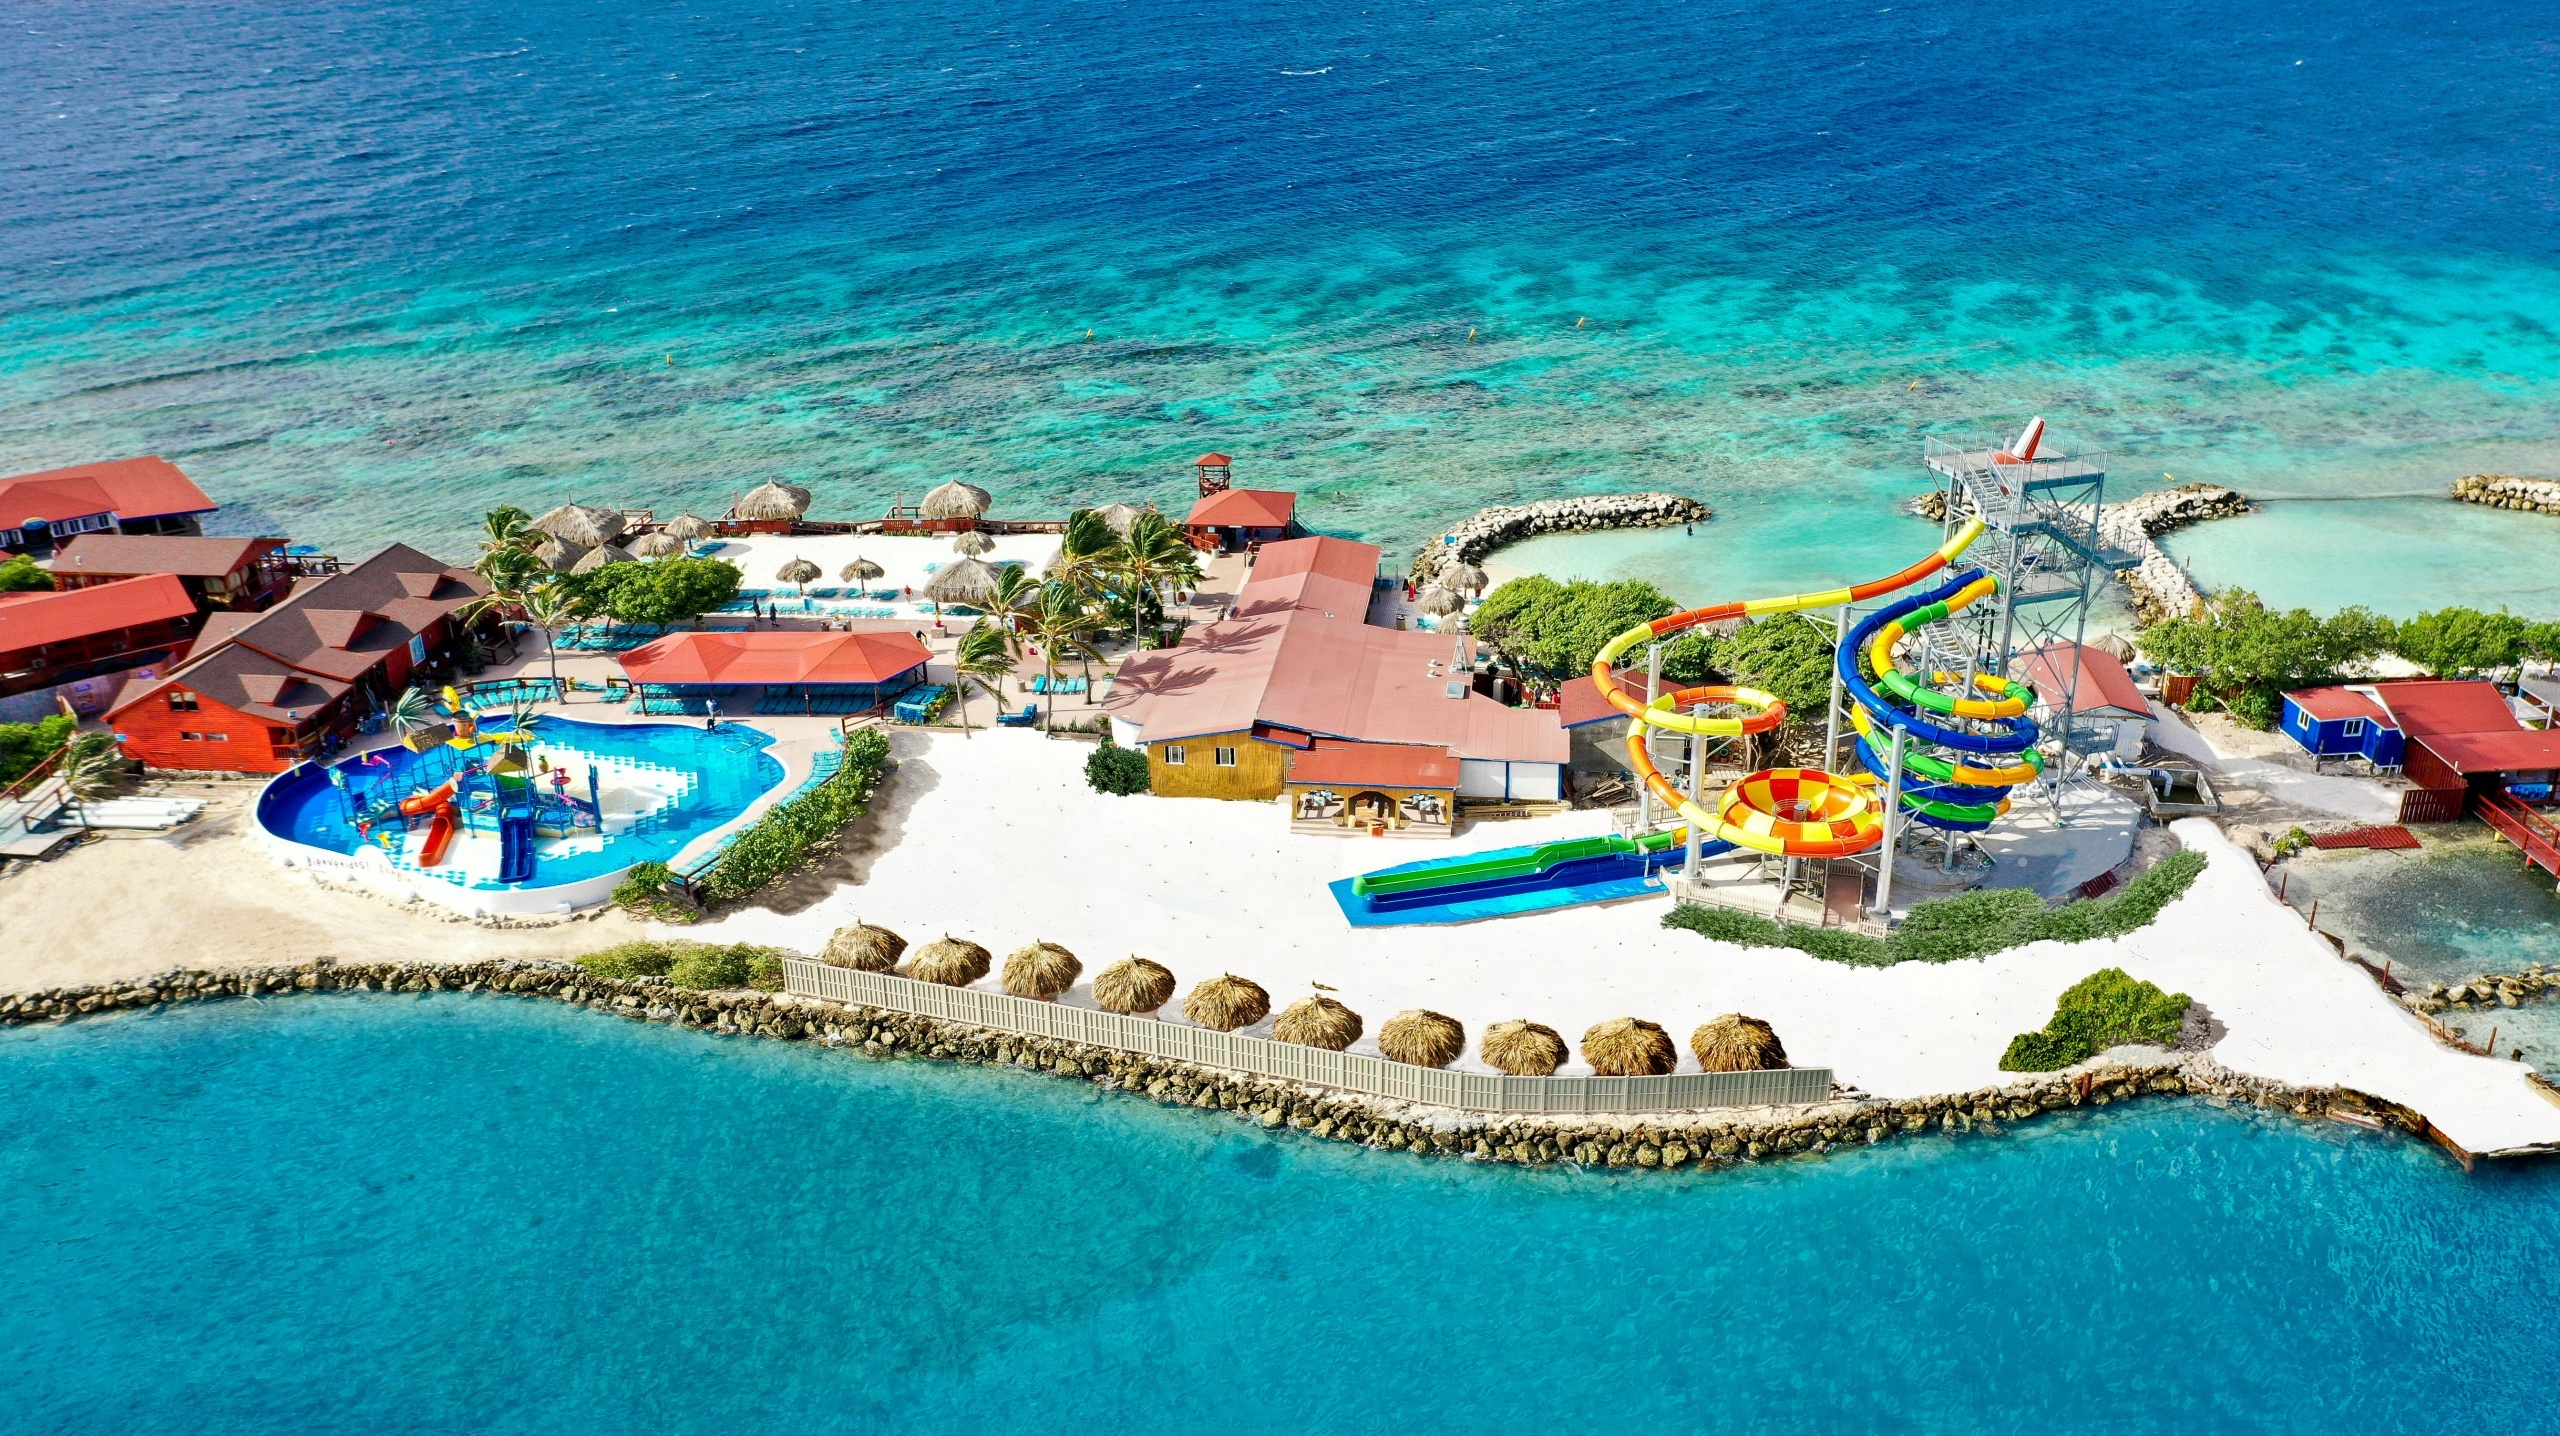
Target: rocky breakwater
{"x": 2509, "y": 491}
{"x": 2161, "y": 589}
{"x": 1488, "y": 530}
{"x": 2503, "y": 989}
{"x": 1655, "y": 1141}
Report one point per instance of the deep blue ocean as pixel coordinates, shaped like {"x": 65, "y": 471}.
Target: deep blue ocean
{"x": 366, "y": 270}
{"x": 440, "y": 1213}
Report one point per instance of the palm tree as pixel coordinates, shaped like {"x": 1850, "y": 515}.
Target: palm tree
{"x": 1061, "y": 634}
{"x": 1153, "y": 557}
{"x": 1084, "y": 551}
{"x": 507, "y": 542}
{"x": 1016, "y": 605}
{"x": 413, "y": 710}
{"x": 552, "y": 607}
{"x": 981, "y": 661}
{"x": 90, "y": 766}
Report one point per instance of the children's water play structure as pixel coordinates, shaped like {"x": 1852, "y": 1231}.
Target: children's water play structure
{"x": 1940, "y": 732}
{"x": 517, "y": 815}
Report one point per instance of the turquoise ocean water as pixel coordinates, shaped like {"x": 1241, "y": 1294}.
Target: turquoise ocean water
{"x": 366, "y": 270}
{"x": 439, "y": 1213}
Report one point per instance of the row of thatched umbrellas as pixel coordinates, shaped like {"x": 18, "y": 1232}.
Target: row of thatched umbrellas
{"x": 1620, "y": 1047}
{"x": 1442, "y": 598}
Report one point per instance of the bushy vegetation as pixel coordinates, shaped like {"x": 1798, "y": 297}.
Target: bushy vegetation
{"x": 1116, "y": 770}
{"x": 789, "y": 832}
{"x": 699, "y": 965}
{"x": 2248, "y": 655}
{"x": 2107, "y": 1008}
{"x": 1968, "y": 925}
{"x": 665, "y": 591}
{"x": 643, "y": 893}
{"x": 2465, "y": 642}
{"x": 24, "y": 745}
{"x": 1549, "y": 632}
{"x": 19, "y": 574}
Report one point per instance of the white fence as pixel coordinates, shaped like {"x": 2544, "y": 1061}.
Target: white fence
{"x": 1680, "y": 1092}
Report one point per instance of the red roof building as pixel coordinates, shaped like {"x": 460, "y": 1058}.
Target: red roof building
{"x": 2097, "y": 681}
{"x": 54, "y": 637}
{"x": 1298, "y": 667}
{"x": 137, "y": 496}
{"x": 790, "y": 659}
{"x": 222, "y": 573}
{"x": 1231, "y": 519}
{"x": 272, "y": 689}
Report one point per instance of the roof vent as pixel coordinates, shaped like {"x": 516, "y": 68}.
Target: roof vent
{"x": 1457, "y": 689}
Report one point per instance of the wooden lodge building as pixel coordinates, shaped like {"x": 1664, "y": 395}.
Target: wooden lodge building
{"x": 238, "y": 574}
{"x": 1359, "y": 727}
{"x": 260, "y": 692}
{"x": 40, "y": 512}
{"x": 53, "y": 638}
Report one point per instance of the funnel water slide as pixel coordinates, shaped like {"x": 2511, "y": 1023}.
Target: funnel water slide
{"x": 1963, "y": 753}
{"x": 1789, "y": 812}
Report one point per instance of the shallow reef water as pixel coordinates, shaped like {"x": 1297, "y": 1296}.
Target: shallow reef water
{"x": 443, "y": 1212}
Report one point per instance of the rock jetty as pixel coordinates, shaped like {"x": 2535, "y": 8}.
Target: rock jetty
{"x": 1655, "y": 1141}
{"x": 2161, "y": 589}
{"x": 2509, "y": 491}
{"x": 2503, "y": 989}
{"x": 1490, "y": 529}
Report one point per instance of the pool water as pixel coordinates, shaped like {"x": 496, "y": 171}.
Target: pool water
{"x": 370, "y": 1212}
{"x": 665, "y": 785}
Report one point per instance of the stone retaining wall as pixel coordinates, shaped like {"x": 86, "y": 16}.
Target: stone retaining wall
{"x": 1490, "y": 529}
{"x": 2509, "y": 491}
{"x": 1649, "y": 1141}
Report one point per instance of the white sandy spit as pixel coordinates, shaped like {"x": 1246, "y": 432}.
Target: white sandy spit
{"x": 999, "y": 840}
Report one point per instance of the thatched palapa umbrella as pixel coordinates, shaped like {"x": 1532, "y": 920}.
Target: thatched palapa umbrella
{"x": 772, "y": 499}
{"x": 956, "y": 500}
{"x": 1118, "y": 516}
{"x": 951, "y": 961}
{"x": 1317, "y": 1021}
{"x": 687, "y": 528}
{"x": 973, "y": 544}
{"x": 1042, "y": 970}
{"x": 1133, "y": 987}
{"x": 1440, "y": 602}
{"x": 1422, "y": 1038}
{"x": 657, "y": 545}
{"x": 1735, "y": 1043}
{"x": 1227, "y": 1003}
{"x": 557, "y": 556}
{"x": 600, "y": 556}
{"x": 1629, "y": 1047}
{"x": 584, "y": 525}
{"x": 861, "y": 570}
{"x": 970, "y": 581}
{"x": 1464, "y": 575}
{"x": 801, "y": 572}
{"x": 1523, "y": 1048}
{"x": 865, "y": 948}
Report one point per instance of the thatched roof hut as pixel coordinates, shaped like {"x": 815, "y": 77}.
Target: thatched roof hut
{"x": 1041, "y": 970}
{"x": 973, "y": 544}
{"x": 557, "y": 556}
{"x": 1118, "y": 516}
{"x": 770, "y": 500}
{"x": 800, "y": 570}
{"x": 687, "y": 527}
{"x": 864, "y": 947}
{"x": 861, "y": 570}
{"x": 1523, "y": 1048}
{"x": 1317, "y": 1021}
{"x": 951, "y": 961}
{"x": 956, "y": 500}
{"x": 599, "y": 557}
{"x": 1464, "y": 575}
{"x": 1422, "y": 1038}
{"x": 1629, "y": 1047}
{"x": 584, "y": 525}
{"x": 1735, "y": 1043}
{"x": 970, "y": 581}
{"x": 657, "y": 545}
{"x": 1133, "y": 986}
{"x": 1440, "y": 602}
{"x": 1226, "y": 1003}
{"x": 2114, "y": 645}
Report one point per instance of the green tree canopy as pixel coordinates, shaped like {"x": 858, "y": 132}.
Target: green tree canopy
{"x": 1551, "y": 631}
{"x": 20, "y": 575}
{"x": 2463, "y": 642}
{"x": 2248, "y": 654}
{"x": 664, "y": 591}
{"x": 1786, "y": 654}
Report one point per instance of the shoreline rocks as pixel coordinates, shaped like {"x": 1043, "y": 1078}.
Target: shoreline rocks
{"x": 1487, "y": 530}
{"x": 2497, "y": 989}
{"x": 2161, "y": 589}
{"x": 2509, "y": 491}
{"x": 1650, "y": 1141}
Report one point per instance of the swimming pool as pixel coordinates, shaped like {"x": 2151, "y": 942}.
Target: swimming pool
{"x": 641, "y": 792}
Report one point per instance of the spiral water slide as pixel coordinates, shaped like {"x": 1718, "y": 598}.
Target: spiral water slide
{"x": 1805, "y": 812}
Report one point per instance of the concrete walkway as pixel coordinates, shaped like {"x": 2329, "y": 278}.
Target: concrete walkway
{"x": 2359, "y": 798}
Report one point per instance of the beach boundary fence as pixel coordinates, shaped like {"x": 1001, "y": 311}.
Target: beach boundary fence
{"x": 1258, "y": 1056}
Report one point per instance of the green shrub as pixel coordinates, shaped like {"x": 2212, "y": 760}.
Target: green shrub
{"x": 789, "y": 832}
{"x": 698, "y": 965}
{"x": 2102, "y": 1010}
{"x": 1116, "y": 770}
{"x": 1968, "y": 925}
{"x": 641, "y": 957}
{"x": 19, "y": 574}
{"x": 643, "y": 893}
{"x": 24, "y": 745}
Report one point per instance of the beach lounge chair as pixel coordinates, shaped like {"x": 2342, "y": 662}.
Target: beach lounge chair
{"x": 1021, "y": 719}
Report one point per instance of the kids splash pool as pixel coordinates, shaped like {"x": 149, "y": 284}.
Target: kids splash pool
{"x": 545, "y": 819}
